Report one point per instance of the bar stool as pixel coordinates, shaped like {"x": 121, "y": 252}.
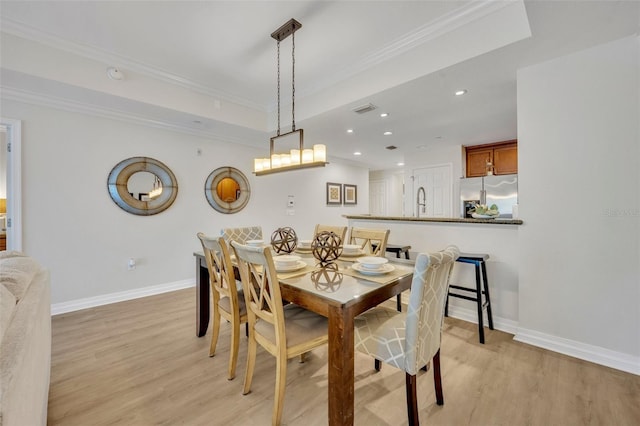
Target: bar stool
{"x": 482, "y": 287}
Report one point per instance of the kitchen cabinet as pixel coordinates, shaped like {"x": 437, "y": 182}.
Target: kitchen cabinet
{"x": 501, "y": 158}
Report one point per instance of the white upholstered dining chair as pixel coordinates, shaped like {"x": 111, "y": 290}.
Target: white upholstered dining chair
{"x": 228, "y": 302}
{"x": 283, "y": 331}
{"x": 410, "y": 340}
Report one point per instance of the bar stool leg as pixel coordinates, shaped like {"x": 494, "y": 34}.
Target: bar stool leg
{"x": 479, "y": 303}
{"x": 486, "y": 295}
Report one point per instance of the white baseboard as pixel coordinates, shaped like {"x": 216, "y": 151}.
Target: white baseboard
{"x": 90, "y": 302}
{"x": 471, "y": 315}
{"x": 608, "y": 358}
{"x": 595, "y": 354}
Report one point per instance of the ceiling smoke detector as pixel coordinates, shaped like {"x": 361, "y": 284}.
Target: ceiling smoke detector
{"x": 364, "y": 108}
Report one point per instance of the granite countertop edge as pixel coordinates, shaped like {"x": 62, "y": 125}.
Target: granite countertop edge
{"x": 497, "y": 221}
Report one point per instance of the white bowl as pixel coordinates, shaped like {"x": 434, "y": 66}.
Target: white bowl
{"x": 372, "y": 262}
{"x": 350, "y": 248}
{"x": 286, "y": 260}
{"x": 304, "y": 243}
{"x": 255, "y": 243}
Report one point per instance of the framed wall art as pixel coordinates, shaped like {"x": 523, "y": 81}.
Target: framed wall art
{"x": 350, "y": 194}
{"x": 334, "y": 193}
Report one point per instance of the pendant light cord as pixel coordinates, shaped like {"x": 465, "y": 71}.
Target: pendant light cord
{"x": 293, "y": 82}
{"x": 278, "y": 87}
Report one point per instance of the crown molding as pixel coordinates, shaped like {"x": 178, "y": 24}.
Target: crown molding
{"x": 426, "y": 33}
{"x": 25, "y": 96}
{"x": 27, "y": 32}
{"x": 449, "y": 22}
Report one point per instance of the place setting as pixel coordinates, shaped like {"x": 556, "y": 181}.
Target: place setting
{"x": 352, "y": 251}
{"x": 370, "y": 265}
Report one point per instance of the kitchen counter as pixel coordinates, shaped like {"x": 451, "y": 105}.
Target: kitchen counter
{"x": 496, "y": 237}
{"x": 497, "y": 221}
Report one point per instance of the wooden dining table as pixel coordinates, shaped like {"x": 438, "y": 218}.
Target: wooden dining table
{"x": 338, "y": 292}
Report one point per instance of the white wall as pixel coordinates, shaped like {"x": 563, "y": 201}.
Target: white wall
{"x": 72, "y": 227}
{"x": 579, "y": 162}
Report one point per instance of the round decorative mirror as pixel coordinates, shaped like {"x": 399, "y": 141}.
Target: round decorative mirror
{"x": 227, "y": 190}
{"x": 142, "y": 186}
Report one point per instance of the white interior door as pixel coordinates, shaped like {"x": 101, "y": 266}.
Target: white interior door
{"x": 437, "y": 183}
{"x": 378, "y": 198}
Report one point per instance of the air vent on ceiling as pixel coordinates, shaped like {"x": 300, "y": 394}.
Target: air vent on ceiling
{"x": 391, "y": 147}
{"x": 364, "y": 108}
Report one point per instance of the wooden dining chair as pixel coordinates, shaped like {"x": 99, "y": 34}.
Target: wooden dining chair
{"x": 372, "y": 241}
{"x": 283, "y": 331}
{"x": 410, "y": 340}
{"x": 228, "y": 302}
{"x": 340, "y": 231}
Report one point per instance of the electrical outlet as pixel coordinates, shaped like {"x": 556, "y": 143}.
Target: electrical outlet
{"x": 131, "y": 264}
{"x": 291, "y": 212}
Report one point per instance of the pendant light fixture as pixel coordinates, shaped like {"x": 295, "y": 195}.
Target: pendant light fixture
{"x": 298, "y": 157}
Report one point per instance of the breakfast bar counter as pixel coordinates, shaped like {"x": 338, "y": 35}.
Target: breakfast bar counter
{"x": 496, "y": 237}
{"x": 496, "y": 221}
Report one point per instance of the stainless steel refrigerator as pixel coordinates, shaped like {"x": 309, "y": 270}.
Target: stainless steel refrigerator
{"x": 499, "y": 190}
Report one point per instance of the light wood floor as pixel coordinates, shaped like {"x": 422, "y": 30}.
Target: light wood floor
{"x": 140, "y": 363}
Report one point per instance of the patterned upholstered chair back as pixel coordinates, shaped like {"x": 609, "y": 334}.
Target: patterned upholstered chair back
{"x": 242, "y": 235}
{"x": 426, "y": 307}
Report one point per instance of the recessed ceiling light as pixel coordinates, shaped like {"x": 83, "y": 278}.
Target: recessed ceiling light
{"x": 349, "y": 130}
{"x": 387, "y": 133}
{"x": 357, "y": 153}
{"x": 401, "y": 164}
{"x": 384, "y": 114}
{"x": 461, "y": 92}
{"x": 115, "y": 74}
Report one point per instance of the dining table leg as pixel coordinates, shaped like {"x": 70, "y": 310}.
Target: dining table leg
{"x": 341, "y": 366}
{"x": 202, "y": 297}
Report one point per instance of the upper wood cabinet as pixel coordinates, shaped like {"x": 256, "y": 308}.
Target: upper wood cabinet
{"x": 501, "y": 158}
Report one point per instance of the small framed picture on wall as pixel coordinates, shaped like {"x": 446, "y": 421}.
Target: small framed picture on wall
{"x": 334, "y": 193}
{"x": 350, "y": 194}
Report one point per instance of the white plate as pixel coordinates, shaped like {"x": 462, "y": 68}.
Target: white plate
{"x": 482, "y": 216}
{"x": 286, "y": 260}
{"x": 304, "y": 244}
{"x": 372, "y": 262}
{"x": 357, "y": 253}
{"x": 303, "y": 249}
{"x": 299, "y": 265}
{"x": 386, "y": 268}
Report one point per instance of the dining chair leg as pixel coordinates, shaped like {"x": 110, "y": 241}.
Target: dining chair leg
{"x": 302, "y": 357}
{"x": 412, "y": 400}
{"x": 251, "y": 363}
{"x": 215, "y": 332}
{"x": 281, "y": 381}
{"x": 437, "y": 379}
{"x": 377, "y": 364}
{"x": 235, "y": 344}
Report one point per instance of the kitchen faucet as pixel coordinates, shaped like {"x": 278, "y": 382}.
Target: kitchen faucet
{"x": 418, "y": 203}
